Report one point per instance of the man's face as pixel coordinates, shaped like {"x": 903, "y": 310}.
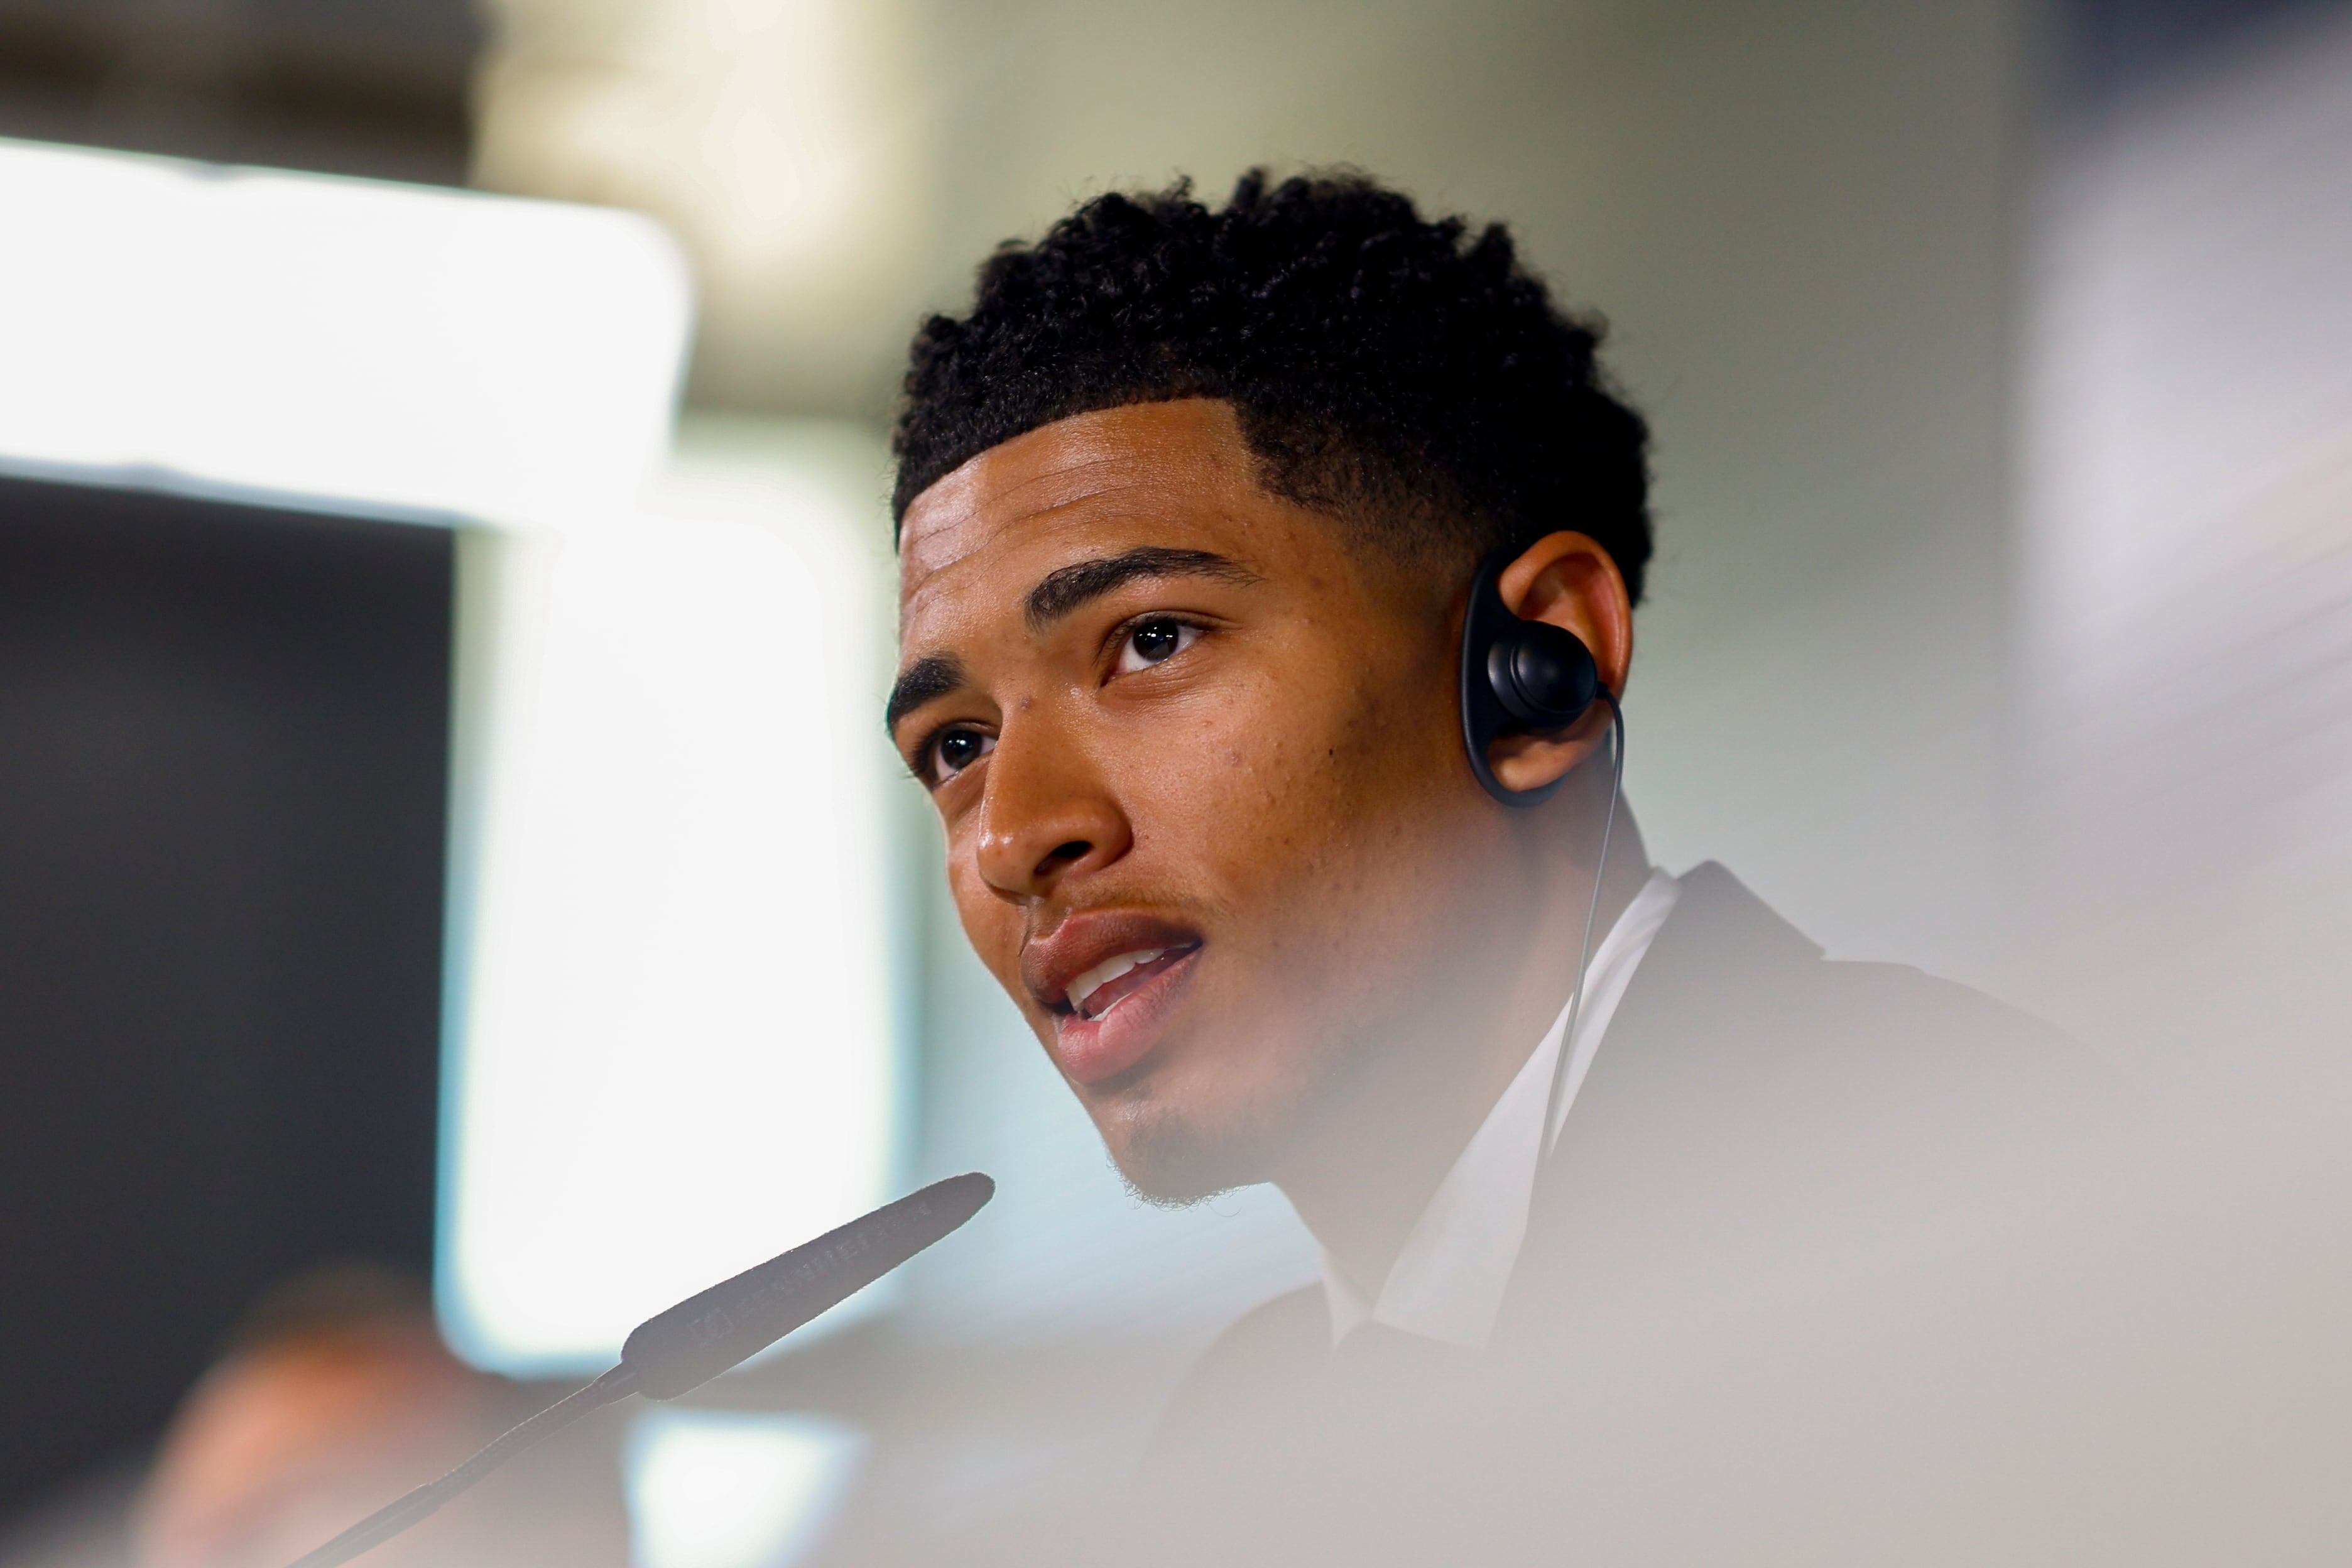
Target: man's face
{"x": 1196, "y": 753}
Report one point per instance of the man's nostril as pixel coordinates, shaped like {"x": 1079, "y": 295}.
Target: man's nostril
{"x": 1068, "y": 853}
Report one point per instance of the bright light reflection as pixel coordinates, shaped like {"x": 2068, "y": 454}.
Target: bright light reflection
{"x": 712, "y": 1488}
{"x": 348, "y": 340}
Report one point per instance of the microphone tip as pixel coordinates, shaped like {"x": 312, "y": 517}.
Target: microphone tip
{"x": 969, "y": 1193}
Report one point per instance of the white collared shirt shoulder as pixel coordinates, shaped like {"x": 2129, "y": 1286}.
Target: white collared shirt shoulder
{"x": 1448, "y": 1283}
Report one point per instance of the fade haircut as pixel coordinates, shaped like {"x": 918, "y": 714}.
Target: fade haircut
{"x": 1400, "y": 373}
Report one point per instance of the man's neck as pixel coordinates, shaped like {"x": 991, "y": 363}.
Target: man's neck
{"x": 1361, "y": 1182}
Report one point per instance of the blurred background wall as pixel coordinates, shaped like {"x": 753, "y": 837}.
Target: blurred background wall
{"x": 1800, "y": 220}
{"x": 1946, "y": 316}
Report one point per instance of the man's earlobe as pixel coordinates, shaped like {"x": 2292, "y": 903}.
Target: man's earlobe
{"x": 1520, "y": 678}
{"x": 1532, "y": 674}
{"x": 1534, "y": 766}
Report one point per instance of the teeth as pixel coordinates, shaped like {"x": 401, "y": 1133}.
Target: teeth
{"x": 1102, "y": 974}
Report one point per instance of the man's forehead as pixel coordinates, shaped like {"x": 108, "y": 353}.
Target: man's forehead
{"x": 1073, "y": 476}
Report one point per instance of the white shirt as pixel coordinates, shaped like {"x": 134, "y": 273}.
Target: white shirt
{"x": 1448, "y": 1282}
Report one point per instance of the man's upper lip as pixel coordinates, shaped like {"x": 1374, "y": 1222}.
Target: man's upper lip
{"x": 1081, "y": 940}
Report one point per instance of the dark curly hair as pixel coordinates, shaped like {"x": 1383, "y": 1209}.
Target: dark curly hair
{"x": 1396, "y": 373}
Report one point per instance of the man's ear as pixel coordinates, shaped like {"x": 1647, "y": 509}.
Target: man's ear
{"x": 1568, "y": 581}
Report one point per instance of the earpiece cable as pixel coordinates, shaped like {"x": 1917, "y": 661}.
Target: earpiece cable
{"x": 1593, "y": 911}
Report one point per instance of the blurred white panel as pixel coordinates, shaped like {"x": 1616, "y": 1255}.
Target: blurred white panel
{"x": 511, "y": 361}
{"x": 709, "y": 1489}
{"x": 674, "y": 1033}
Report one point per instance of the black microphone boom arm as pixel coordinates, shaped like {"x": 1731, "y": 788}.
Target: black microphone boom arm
{"x": 674, "y": 1352}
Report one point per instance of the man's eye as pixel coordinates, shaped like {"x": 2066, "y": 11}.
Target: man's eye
{"x": 1155, "y": 642}
{"x": 952, "y": 750}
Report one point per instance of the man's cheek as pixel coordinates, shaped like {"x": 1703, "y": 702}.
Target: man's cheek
{"x": 1226, "y": 770}
{"x": 990, "y": 924}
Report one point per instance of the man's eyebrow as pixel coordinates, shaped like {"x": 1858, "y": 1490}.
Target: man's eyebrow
{"x": 930, "y": 677}
{"x": 1066, "y": 588}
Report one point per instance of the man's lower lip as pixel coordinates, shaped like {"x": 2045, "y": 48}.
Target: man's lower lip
{"x": 1092, "y": 1049}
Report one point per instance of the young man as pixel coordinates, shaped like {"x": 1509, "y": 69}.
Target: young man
{"x": 1190, "y": 505}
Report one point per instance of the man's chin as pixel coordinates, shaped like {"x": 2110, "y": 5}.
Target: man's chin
{"x": 1171, "y": 1162}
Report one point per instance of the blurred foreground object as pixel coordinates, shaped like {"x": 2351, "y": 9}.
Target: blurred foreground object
{"x": 339, "y": 1393}
{"x": 2125, "y": 1353}
{"x": 2187, "y": 505}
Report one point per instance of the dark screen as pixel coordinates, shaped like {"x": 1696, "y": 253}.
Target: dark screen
{"x": 223, "y": 766}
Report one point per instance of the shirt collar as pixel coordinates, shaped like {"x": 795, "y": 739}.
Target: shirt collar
{"x": 1449, "y": 1280}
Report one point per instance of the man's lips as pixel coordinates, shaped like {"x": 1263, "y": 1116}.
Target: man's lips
{"x": 1111, "y": 1036}
{"x": 1109, "y": 979}
{"x": 1113, "y": 981}
{"x": 1083, "y": 946}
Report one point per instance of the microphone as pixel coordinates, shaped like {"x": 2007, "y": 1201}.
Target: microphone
{"x": 680, "y": 1350}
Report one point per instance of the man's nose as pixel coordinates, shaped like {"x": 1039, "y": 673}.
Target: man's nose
{"x": 1045, "y": 817}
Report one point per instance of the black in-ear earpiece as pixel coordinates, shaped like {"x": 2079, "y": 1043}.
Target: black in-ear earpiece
{"x": 1517, "y": 676}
